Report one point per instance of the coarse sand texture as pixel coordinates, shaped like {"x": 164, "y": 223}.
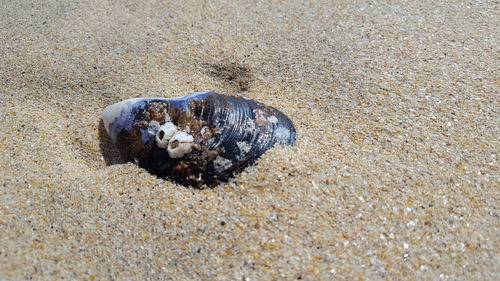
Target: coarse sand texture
{"x": 394, "y": 174}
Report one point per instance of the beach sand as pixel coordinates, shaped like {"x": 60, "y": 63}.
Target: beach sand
{"x": 394, "y": 175}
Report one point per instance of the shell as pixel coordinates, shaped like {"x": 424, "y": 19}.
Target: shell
{"x": 203, "y": 138}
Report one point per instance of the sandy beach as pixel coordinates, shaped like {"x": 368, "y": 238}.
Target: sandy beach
{"x": 394, "y": 175}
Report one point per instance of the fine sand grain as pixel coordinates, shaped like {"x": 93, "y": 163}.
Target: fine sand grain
{"x": 394, "y": 175}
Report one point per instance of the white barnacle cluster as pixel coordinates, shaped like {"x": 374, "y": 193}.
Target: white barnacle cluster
{"x": 177, "y": 142}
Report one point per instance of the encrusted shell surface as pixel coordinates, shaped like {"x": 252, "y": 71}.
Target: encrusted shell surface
{"x": 202, "y": 138}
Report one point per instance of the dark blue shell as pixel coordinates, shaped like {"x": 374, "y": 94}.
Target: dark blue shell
{"x": 228, "y": 134}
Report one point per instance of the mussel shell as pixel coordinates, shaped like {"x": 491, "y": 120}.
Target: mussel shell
{"x": 228, "y": 134}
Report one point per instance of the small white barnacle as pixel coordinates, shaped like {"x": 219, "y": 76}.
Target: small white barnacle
{"x": 244, "y": 146}
{"x": 222, "y": 164}
{"x": 205, "y": 132}
{"x": 154, "y": 124}
{"x": 164, "y": 134}
{"x": 152, "y": 128}
{"x": 272, "y": 119}
{"x": 180, "y": 144}
{"x": 282, "y": 135}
